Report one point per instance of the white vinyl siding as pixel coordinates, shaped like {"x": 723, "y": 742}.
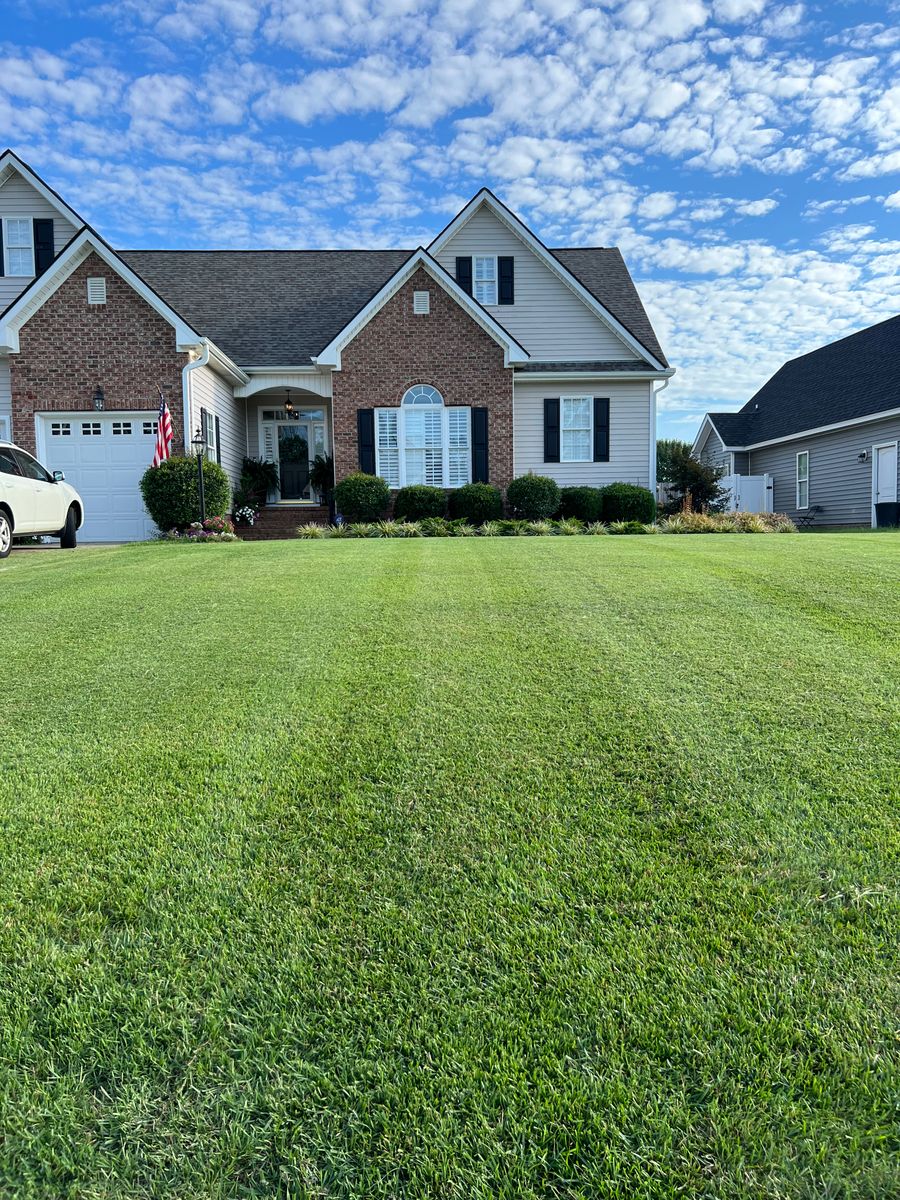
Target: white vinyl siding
{"x": 803, "y": 479}
{"x": 5, "y": 398}
{"x": 19, "y": 199}
{"x": 629, "y": 433}
{"x": 549, "y": 320}
{"x": 210, "y": 391}
{"x": 430, "y": 445}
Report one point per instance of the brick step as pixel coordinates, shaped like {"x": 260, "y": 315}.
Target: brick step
{"x": 279, "y": 523}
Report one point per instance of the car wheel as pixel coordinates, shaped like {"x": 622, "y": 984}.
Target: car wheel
{"x": 68, "y": 538}
{"x": 5, "y": 535}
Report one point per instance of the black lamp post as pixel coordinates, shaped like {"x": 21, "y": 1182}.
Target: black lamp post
{"x": 199, "y": 443}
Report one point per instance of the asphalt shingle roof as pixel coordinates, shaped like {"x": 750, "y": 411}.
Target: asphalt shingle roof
{"x": 267, "y": 308}
{"x": 855, "y": 377}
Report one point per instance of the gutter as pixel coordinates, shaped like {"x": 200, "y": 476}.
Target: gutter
{"x": 186, "y": 390}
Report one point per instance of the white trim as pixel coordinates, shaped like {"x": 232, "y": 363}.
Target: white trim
{"x": 547, "y": 257}
{"x": 10, "y": 162}
{"x": 875, "y": 448}
{"x": 575, "y": 376}
{"x": 590, "y": 400}
{"x": 29, "y": 221}
{"x": 496, "y": 281}
{"x": 512, "y": 351}
{"x": 402, "y": 411}
{"x": 5, "y": 431}
{"x": 86, "y": 243}
{"x": 797, "y": 480}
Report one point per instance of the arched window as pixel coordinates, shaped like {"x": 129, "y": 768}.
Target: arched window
{"x": 424, "y": 441}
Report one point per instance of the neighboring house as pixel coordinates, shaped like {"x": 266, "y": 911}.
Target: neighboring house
{"x": 824, "y": 430}
{"x": 481, "y": 357}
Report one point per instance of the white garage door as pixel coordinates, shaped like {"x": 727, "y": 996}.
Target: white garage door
{"x": 103, "y": 456}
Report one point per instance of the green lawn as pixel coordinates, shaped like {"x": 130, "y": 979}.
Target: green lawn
{"x": 547, "y": 867}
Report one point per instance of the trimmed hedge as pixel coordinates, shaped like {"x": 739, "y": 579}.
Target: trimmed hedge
{"x": 628, "y": 502}
{"x": 171, "y": 492}
{"x": 476, "y": 503}
{"x": 533, "y": 497}
{"x": 583, "y": 503}
{"x": 360, "y": 497}
{"x": 418, "y": 501}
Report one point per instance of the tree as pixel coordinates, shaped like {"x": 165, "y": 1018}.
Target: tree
{"x": 688, "y": 476}
{"x": 665, "y": 448}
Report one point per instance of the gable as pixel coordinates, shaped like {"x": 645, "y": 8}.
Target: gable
{"x": 18, "y": 198}
{"x": 548, "y": 318}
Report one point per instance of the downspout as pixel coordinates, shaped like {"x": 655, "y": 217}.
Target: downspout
{"x": 186, "y": 390}
{"x": 654, "y": 392}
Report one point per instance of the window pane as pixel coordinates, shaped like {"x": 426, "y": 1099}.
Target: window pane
{"x": 576, "y": 413}
{"x": 18, "y": 233}
{"x": 20, "y": 262}
{"x": 386, "y": 423}
{"x": 8, "y": 465}
{"x": 486, "y": 293}
{"x": 388, "y": 467}
{"x": 484, "y": 267}
{"x": 576, "y": 445}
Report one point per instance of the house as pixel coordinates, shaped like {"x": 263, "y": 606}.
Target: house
{"x": 483, "y": 356}
{"x": 821, "y": 436}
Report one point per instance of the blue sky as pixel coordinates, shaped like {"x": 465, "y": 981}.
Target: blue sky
{"x": 745, "y": 155}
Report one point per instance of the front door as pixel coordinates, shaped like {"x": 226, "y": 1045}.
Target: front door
{"x": 292, "y": 441}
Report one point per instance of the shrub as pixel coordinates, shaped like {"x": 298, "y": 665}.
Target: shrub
{"x": 569, "y": 526}
{"x": 540, "y": 528}
{"x": 627, "y": 502}
{"x": 400, "y": 529}
{"x": 630, "y": 527}
{"x": 489, "y": 529}
{"x": 511, "y": 528}
{"x": 312, "y": 532}
{"x": 690, "y": 523}
{"x": 533, "y": 497}
{"x": 172, "y": 494}
{"x": 692, "y": 485}
{"x": 258, "y": 478}
{"x": 596, "y": 528}
{"x": 418, "y": 501}
{"x": 461, "y": 529}
{"x": 435, "y": 527}
{"x": 476, "y": 503}
{"x": 584, "y": 503}
{"x": 362, "y": 498}
{"x": 365, "y": 529}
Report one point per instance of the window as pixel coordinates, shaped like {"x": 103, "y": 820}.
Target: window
{"x": 151, "y": 428}
{"x": 60, "y": 429}
{"x": 96, "y": 290}
{"x": 18, "y": 246}
{"x": 121, "y": 428}
{"x": 485, "y": 279}
{"x": 577, "y": 429}
{"x": 421, "y": 303}
{"x": 90, "y": 429}
{"x": 803, "y": 479}
{"x": 8, "y": 464}
{"x": 423, "y": 441}
{"x": 208, "y": 427}
{"x": 30, "y": 467}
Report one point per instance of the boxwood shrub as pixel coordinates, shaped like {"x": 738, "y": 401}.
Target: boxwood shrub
{"x": 628, "y": 502}
{"x": 583, "y": 503}
{"x": 418, "y": 501}
{"x": 171, "y": 492}
{"x": 476, "y": 503}
{"x": 533, "y": 497}
{"x": 359, "y": 497}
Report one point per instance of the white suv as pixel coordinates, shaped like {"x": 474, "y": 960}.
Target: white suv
{"x": 32, "y": 501}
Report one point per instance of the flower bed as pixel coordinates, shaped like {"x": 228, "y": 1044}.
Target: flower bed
{"x": 213, "y": 529}
{"x": 736, "y": 522}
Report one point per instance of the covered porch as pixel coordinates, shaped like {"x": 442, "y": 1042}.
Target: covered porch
{"x": 290, "y": 426}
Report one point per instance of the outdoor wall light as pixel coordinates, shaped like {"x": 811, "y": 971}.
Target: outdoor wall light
{"x": 863, "y": 456}
{"x": 99, "y": 399}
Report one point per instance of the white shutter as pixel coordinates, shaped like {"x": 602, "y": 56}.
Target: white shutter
{"x": 459, "y": 446}
{"x": 387, "y": 446}
{"x": 268, "y": 446}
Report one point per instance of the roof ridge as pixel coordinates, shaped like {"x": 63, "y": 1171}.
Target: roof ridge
{"x": 263, "y": 250}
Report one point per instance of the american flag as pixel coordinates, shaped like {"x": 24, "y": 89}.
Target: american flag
{"x": 163, "y": 432}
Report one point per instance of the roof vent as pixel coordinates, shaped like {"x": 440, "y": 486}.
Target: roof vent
{"x": 96, "y": 290}
{"x": 421, "y": 303}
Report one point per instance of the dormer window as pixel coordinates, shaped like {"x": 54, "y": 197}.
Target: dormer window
{"x": 18, "y": 246}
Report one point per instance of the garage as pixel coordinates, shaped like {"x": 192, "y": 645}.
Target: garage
{"x": 103, "y": 456}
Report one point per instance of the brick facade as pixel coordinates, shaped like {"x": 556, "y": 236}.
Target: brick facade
{"x": 446, "y": 348}
{"x": 69, "y": 347}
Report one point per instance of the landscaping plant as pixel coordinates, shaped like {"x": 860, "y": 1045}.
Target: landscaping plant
{"x": 476, "y": 503}
{"x": 360, "y": 497}
{"x": 627, "y": 502}
{"x": 171, "y": 492}
{"x": 583, "y": 503}
{"x": 533, "y": 497}
{"x": 417, "y": 501}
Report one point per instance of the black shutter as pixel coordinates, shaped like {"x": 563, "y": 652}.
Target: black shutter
{"x": 203, "y": 431}
{"x": 1, "y": 249}
{"x": 551, "y": 430}
{"x": 601, "y": 429}
{"x": 464, "y": 273}
{"x": 506, "y": 293}
{"x": 479, "y": 445}
{"x": 43, "y": 244}
{"x": 365, "y": 434}
{"x": 218, "y": 443}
